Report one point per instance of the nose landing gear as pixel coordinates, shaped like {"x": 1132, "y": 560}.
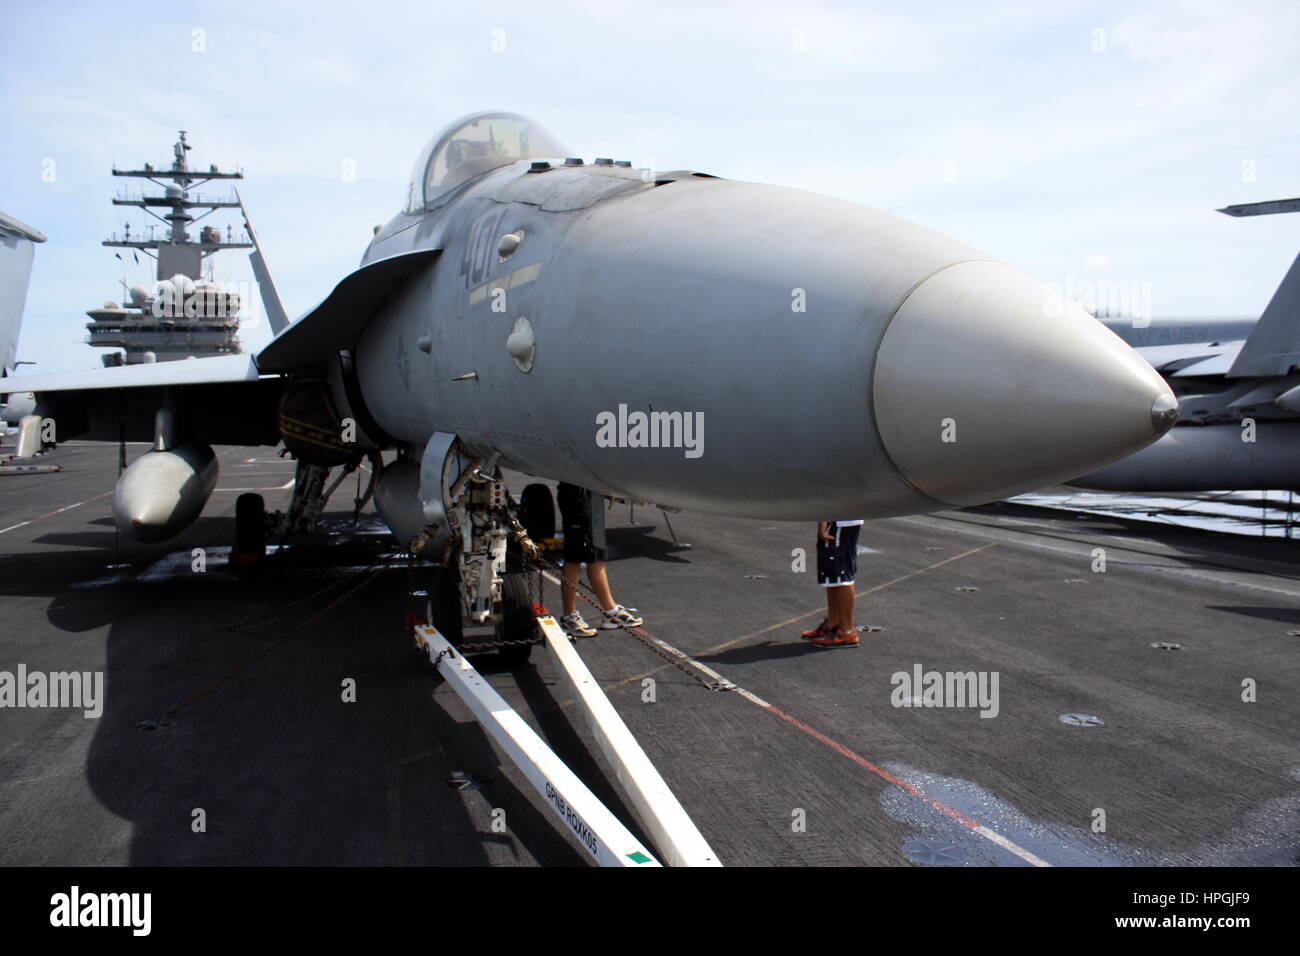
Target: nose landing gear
{"x": 483, "y": 595}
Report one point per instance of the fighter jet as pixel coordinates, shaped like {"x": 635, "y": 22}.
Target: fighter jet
{"x": 673, "y": 337}
{"x": 1238, "y": 385}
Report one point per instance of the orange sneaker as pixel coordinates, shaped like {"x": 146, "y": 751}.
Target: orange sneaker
{"x": 838, "y": 639}
{"x": 818, "y": 631}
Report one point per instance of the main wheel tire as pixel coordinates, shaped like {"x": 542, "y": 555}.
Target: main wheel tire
{"x": 250, "y": 528}
{"x": 518, "y": 623}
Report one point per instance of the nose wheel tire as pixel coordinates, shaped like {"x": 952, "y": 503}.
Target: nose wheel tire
{"x": 443, "y": 611}
{"x": 518, "y": 623}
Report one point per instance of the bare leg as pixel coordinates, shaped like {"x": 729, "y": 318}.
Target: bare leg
{"x": 600, "y": 584}
{"x": 846, "y": 607}
{"x": 832, "y": 608}
{"x": 572, "y": 573}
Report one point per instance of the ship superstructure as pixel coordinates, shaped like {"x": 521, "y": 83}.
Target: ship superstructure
{"x": 186, "y": 315}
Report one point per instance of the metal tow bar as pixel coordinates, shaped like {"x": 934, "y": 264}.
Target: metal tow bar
{"x": 587, "y": 819}
{"x": 582, "y": 814}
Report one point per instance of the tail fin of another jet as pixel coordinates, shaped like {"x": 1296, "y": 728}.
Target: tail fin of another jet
{"x": 16, "y": 253}
{"x": 1274, "y": 344}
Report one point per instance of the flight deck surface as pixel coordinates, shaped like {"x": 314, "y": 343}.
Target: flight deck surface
{"x": 808, "y": 763}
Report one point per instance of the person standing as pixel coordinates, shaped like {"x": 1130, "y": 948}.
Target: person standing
{"x": 837, "y": 566}
{"x": 582, "y": 513}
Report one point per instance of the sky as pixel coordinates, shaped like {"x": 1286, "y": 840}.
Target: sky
{"x": 1080, "y": 142}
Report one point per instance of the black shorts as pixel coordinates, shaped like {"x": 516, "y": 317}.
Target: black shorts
{"x": 837, "y": 561}
{"x": 582, "y": 512}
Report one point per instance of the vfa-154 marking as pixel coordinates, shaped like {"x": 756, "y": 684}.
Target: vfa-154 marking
{"x": 843, "y": 361}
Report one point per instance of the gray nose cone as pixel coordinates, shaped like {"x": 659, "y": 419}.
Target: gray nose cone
{"x": 1164, "y": 412}
{"x": 984, "y": 388}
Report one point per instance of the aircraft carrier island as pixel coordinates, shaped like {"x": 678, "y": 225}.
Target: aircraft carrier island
{"x": 303, "y": 606}
{"x": 187, "y": 315}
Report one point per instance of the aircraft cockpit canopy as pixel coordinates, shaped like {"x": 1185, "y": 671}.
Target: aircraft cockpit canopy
{"x": 472, "y": 146}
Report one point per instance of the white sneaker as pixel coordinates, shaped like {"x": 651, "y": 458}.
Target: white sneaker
{"x": 574, "y": 625}
{"x": 619, "y": 616}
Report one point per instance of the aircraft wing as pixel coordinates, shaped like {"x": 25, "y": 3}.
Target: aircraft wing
{"x": 228, "y": 399}
{"x": 1191, "y": 359}
{"x": 219, "y": 368}
{"x": 316, "y": 338}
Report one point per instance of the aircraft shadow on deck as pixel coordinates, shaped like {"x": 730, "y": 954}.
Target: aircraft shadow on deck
{"x": 284, "y": 770}
{"x": 1194, "y": 544}
{"x": 755, "y": 653}
{"x": 643, "y": 541}
{"x": 1287, "y": 615}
